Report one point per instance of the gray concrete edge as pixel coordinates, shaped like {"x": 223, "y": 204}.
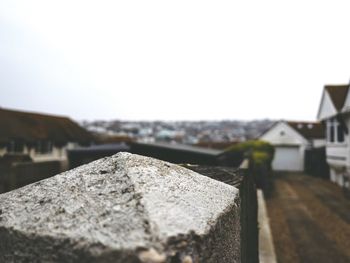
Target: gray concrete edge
{"x": 266, "y": 247}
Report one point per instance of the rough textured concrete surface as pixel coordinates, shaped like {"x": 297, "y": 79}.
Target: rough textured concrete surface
{"x": 124, "y": 208}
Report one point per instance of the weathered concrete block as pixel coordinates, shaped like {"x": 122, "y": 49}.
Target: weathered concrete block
{"x": 243, "y": 180}
{"x": 124, "y": 208}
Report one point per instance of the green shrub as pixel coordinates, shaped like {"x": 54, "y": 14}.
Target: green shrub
{"x": 260, "y": 155}
{"x": 260, "y": 152}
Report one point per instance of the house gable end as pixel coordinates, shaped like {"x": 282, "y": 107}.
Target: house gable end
{"x": 346, "y": 107}
{"x": 283, "y": 134}
{"x": 327, "y": 108}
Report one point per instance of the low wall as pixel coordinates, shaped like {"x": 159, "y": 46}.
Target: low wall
{"x": 19, "y": 174}
{"x": 174, "y": 155}
{"x": 124, "y": 208}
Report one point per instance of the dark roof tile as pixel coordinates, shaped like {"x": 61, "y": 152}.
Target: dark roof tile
{"x": 31, "y": 127}
{"x": 338, "y": 94}
{"x": 310, "y": 130}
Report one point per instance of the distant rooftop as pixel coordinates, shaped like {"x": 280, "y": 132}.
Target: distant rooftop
{"x": 310, "y": 130}
{"x": 30, "y": 127}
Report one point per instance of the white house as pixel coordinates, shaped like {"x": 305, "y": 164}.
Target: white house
{"x": 334, "y": 112}
{"x": 290, "y": 140}
{"x": 39, "y": 137}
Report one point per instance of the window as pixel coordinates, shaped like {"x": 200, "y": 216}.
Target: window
{"x": 43, "y": 147}
{"x": 340, "y": 133}
{"x": 331, "y": 137}
{"x": 335, "y": 131}
{"x": 15, "y": 147}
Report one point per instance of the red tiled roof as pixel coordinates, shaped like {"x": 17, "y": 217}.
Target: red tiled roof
{"x": 31, "y": 127}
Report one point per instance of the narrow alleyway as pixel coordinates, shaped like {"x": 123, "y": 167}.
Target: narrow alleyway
{"x": 310, "y": 220}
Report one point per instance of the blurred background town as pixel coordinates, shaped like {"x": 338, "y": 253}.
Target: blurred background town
{"x": 212, "y": 134}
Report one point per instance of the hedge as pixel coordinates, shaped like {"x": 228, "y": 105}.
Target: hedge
{"x": 260, "y": 155}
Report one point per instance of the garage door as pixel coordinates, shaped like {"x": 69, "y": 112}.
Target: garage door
{"x": 287, "y": 159}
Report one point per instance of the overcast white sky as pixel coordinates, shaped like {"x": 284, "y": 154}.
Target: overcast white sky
{"x": 172, "y": 60}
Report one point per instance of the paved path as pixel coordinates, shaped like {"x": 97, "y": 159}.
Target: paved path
{"x": 310, "y": 220}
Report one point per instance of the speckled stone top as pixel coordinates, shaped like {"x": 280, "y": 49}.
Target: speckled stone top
{"x": 109, "y": 209}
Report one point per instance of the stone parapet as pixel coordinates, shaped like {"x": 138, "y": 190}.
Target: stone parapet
{"x": 124, "y": 208}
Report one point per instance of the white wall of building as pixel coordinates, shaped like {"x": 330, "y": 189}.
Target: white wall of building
{"x": 289, "y": 147}
{"x": 338, "y": 157}
{"x": 318, "y": 143}
{"x": 288, "y": 159}
{"x": 338, "y": 153}
{"x": 2, "y": 151}
{"x": 57, "y": 154}
{"x": 327, "y": 108}
{"x": 283, "y": 134}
